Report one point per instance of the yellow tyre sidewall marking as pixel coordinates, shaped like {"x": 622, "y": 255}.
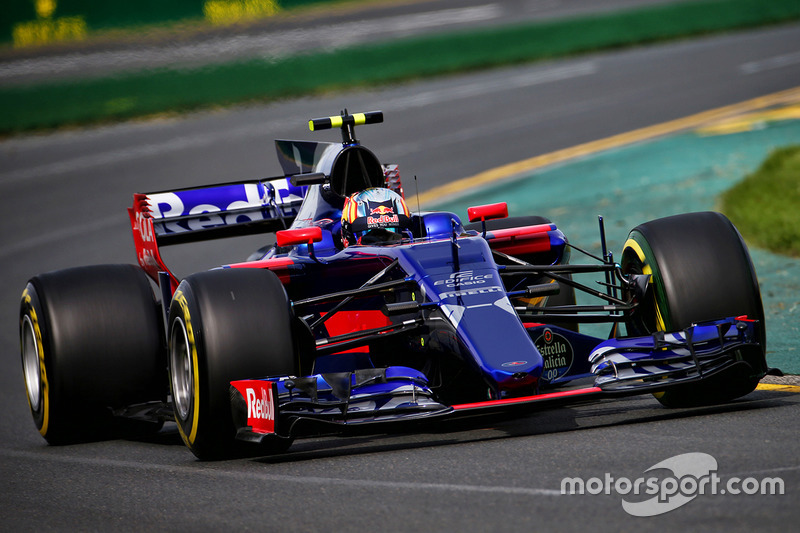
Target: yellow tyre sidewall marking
{"x": 648, "y": 271}
{"x": 187, "y": 320}
{"x": 42, "y": 371}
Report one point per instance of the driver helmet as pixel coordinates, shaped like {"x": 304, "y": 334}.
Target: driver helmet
{"x": 375, "y": 216}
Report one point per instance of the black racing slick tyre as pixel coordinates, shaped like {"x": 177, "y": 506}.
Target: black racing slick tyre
{"x": 700, "y": 270}
{"x": 225, "y": 325}
{"x": 92, "y": 342}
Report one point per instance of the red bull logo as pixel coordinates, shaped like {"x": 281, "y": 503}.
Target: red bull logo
{"x": 382, "y": 216}
{"x": 383, "y": 221}
{"x": 381, "y": 210}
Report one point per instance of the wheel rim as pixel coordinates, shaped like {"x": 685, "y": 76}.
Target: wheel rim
{"x": 643, "y": 321}
{"x": 30, "y": 363}
{"x": 180, "y": 365}
{"x": 649, "y": 315}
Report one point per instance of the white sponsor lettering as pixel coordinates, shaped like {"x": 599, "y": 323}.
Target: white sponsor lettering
{"x": 209, "y": 221}
{"x": 462, "y": 279}
{"x": 260, "y": 408}
{"x": 472, "y": 292}
{"x": 690, "y": 475}
{"x": 145, "y": 227}
{"x": 169, "y": 205}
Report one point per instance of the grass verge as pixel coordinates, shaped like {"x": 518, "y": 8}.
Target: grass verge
{"x": 143, "y": 93}
{"x": 765, "y": 206}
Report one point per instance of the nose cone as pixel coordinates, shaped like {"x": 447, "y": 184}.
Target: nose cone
{"x": 499, "y": 343}
{"x": 517, "y": 380}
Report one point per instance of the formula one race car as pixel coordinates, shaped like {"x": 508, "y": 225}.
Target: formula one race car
{"x": 366, "y": 315}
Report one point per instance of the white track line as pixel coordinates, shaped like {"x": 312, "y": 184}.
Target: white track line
{"x": 202, "y": 470}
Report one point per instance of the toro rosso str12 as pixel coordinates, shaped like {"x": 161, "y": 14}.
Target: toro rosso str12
{"x": 364, "y": 314}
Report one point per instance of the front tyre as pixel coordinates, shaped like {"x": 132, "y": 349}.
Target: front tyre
{"x": 225, "y": 325}
{"x": 700, "y": 270}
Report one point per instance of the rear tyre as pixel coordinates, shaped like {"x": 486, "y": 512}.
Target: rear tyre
{"x": 509, "y": 222}
{"x": 225, "y": 325}
{"x": 701, "y": 270}
{"x": 91, "y": 341}
{"x": 566, "y": 294}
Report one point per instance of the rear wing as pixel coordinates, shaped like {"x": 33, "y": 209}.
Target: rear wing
{"x": 201, "y": 213}
{"x": 248, "y": 207}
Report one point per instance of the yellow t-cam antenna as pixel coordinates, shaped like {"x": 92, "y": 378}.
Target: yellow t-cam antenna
{"x": 347, "y": 123}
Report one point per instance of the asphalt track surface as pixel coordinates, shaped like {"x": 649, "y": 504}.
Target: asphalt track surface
{"x": 63, "y": 197}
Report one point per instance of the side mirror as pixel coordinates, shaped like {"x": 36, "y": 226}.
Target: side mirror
{"x": 487, "y": 212}
{"x": 290, "y": 237}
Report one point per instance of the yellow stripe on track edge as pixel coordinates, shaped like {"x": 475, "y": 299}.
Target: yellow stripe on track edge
{"x": 444, "y": 192}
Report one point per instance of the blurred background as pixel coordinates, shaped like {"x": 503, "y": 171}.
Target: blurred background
{"x": 67, "y": 62}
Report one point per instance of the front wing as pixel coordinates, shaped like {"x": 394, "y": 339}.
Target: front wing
{"x": 288, "y": 407}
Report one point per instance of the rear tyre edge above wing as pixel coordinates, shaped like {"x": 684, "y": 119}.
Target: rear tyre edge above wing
{"x": 566, "y": 295}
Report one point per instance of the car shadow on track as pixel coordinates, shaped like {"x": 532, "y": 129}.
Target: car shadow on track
{"x": 607, "y": 413}
{"x": 602, "y": 414}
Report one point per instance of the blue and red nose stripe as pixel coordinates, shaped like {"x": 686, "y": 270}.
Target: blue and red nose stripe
{"x": 588, "y": 391}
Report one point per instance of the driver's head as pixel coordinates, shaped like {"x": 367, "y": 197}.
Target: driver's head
{"x": 374, "y": 216}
